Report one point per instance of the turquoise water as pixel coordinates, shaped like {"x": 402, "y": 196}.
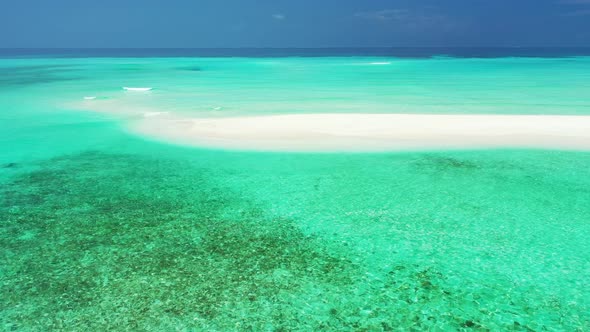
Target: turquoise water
{"x": 102, "y": 230}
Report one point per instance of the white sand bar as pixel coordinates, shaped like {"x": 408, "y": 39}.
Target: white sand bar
{"x": 371, "y": 132}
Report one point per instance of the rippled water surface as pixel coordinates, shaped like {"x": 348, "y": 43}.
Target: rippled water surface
{"x": 101, "y": 230}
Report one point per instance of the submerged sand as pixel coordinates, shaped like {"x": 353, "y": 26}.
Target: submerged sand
{"x": 369, "y": 132}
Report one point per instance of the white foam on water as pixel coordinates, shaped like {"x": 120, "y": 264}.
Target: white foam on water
{"x": 153, "y": 114}
{"x": 136, "y": 89}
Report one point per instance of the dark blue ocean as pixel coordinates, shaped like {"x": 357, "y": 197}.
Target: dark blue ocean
{"x": 403, "y": 52}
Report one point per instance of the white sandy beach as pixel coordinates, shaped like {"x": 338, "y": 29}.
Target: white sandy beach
{"x": 369, "y": 132}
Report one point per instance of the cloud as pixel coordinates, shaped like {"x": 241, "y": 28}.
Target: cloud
{"x": 575, "y": 2}
{"x": 577, "y": 13}
{"x": 384, "y": 15}
{"x": 279, "y": 17}
{"x": 419, "y": 18}
{"x": 581, "y": 5}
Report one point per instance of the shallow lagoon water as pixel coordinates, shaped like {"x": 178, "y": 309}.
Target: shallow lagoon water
{"x": 102, "y": 230}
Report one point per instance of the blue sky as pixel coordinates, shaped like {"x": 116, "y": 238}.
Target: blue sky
{"x": 293, "y": 23}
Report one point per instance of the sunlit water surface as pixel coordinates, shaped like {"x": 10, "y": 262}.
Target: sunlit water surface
{"x": 101, "y": 230}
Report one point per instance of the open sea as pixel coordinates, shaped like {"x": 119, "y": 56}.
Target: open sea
{"x": 104, "y": 230}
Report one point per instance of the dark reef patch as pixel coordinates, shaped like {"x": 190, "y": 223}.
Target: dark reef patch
{"x": 191, "y": 68}
{"x": 29, "y": 75}
{"x": 117, "y": 240}
{"x": 443, "y": 164}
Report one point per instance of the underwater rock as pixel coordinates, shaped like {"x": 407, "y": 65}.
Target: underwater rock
{"x": 439, "y": 163}
{"x": 190, "y": 68}
{"x": 470, "y": 324}
{"x": 193, "y": 69}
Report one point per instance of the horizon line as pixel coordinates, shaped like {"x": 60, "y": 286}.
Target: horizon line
{"x": 278, "y": 48}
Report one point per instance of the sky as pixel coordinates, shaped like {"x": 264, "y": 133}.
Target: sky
{"x": 292, "y": 23}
